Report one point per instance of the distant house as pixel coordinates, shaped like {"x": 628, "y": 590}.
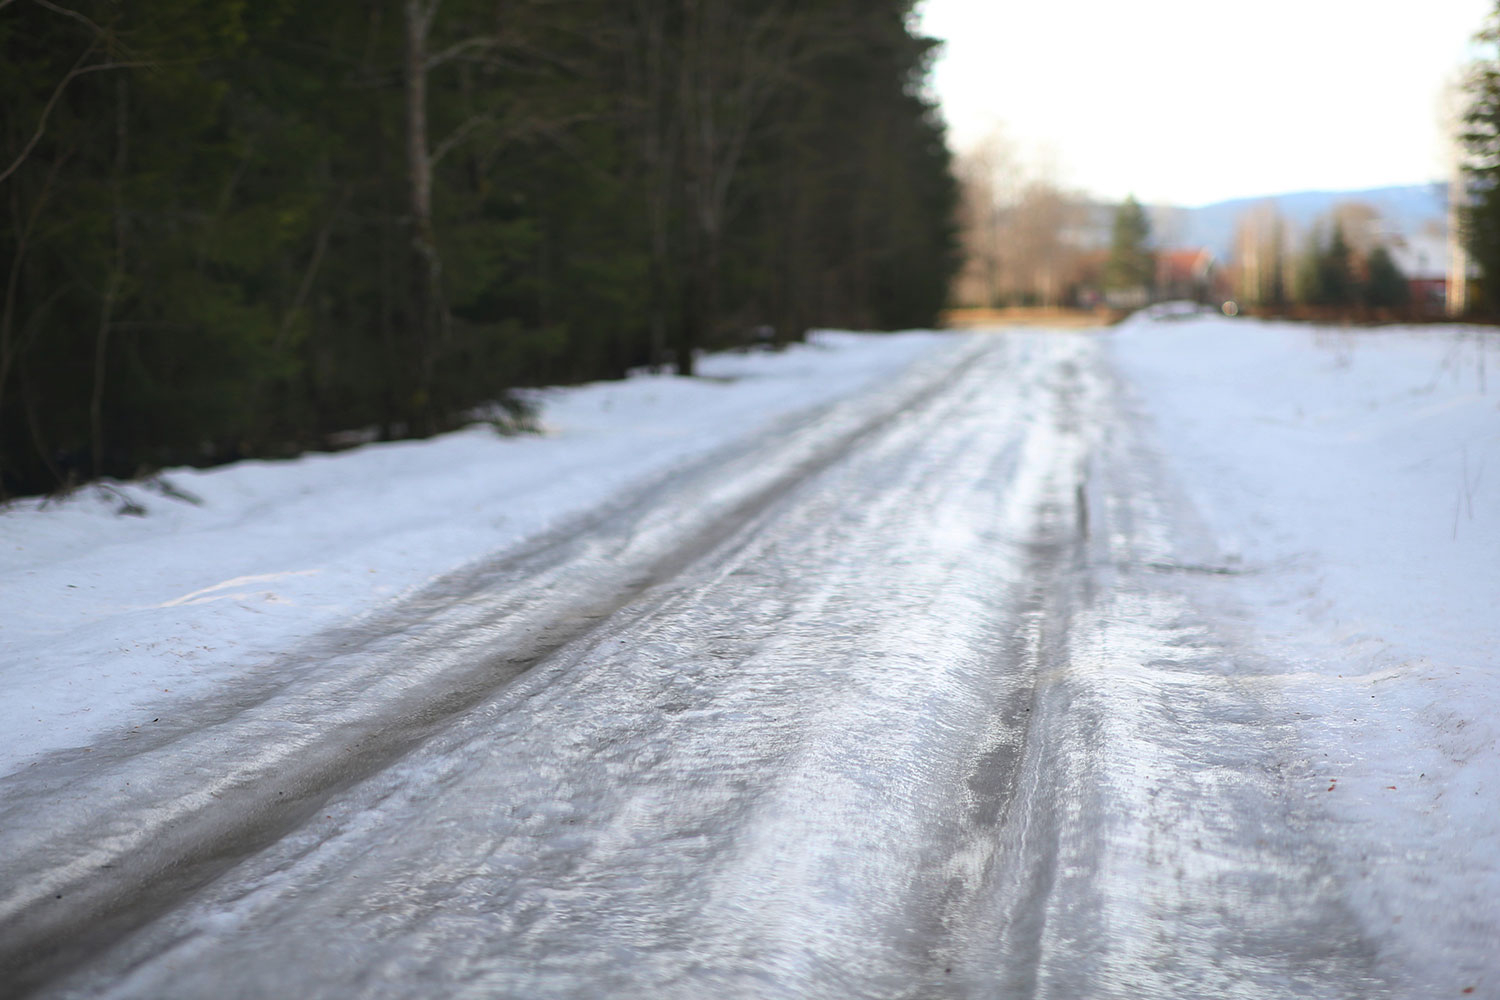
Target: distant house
{"x": 1189, "y": 273}
{"x": 1423, "y": 261}
{"x": 1084, "y": 284}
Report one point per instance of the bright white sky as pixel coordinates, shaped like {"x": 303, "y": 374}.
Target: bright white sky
{"x": 1195, "y": 101}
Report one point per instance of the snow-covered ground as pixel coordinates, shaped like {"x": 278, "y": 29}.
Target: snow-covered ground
{"x": 1354, "y": 476}
{"x": 109, "y": 617}
{"x": 1317, "y": 506}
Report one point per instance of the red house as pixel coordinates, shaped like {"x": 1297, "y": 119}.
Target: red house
{"x": 1188, "y": 273}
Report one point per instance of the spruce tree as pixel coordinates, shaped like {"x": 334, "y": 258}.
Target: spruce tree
{"x": 1336, "y": 285}
{"x": 233, "y": 229}
{"x": 1480, "y": 218}
{"x": 1385, "y": 285}
{"x": 1131, "y": 264}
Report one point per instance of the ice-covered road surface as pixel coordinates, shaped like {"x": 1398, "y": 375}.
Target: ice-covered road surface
{"x": 938, "y": 692}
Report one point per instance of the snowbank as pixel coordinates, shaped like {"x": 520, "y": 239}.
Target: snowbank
{"x": 1355, "y": 475}
{"x": 109, "y": 617}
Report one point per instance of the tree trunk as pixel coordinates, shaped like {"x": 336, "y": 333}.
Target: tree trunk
{"x": 112, "y": 282}
{"x": 658, "y": 153}
{"x": 691, "y": 319}
{"x": 430, "y": 313}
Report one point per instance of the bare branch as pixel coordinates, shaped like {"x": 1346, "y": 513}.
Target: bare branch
{"x": 41, "y": 125}
{"x": 310, "y": 273}
{"x": 47, "y": 110}
{"x": 65, "y": 12}
{"x": 454, "y": 51}
{"x": 457, "y": 136}
{"x": 426, "y": 13}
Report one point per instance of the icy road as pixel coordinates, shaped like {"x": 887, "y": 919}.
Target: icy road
{"x": 944, "y": 689}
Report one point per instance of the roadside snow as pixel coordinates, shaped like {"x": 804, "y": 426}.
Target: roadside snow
{"x": 1353, "y": 475}
{"x": 109, "y": 617}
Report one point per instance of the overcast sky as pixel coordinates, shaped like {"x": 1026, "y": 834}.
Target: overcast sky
{"x": 1194, "y": 101}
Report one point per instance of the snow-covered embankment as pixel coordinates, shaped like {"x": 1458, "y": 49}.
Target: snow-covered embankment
{"x": 1355, "y": 473}
{"x": 109, "y": 620}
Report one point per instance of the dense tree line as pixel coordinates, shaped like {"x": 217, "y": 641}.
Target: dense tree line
{"x": 1332, "y": 272}
{"x": 231, "y": 229}
{"x": 1343, "y": 262}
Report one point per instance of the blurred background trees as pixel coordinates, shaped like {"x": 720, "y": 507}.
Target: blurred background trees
{"x": 1480, "y": 216}
{"x": 235, "y": 229}
{"x": 1027, "y": 240}
{"x": 1131, "y": 268}
{"x": 1348, "y": 262}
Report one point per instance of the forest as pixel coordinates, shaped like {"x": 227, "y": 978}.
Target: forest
{"x": 233, "y": 229}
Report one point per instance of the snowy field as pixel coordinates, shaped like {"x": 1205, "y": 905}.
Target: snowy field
{"x": 110, "y": 618}
{"x": 1354, "y": 474}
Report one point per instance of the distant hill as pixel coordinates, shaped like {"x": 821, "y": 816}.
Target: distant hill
{"x": 1407, "y": 209}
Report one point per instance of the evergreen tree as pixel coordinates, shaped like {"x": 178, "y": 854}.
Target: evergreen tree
{"x": 1335, "y": 275}
{"x": 1325, "y": 269}
{"x": 1385, "y": 285}
{"x": 1277, "y": 296}
{"x": 1307, "y": 275}
{"x": 1131, "y": 264}
{"x": 1480, "y": 218}
{"x": 230, "y": 229}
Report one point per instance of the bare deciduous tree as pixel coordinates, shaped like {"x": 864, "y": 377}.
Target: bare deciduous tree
{"x": 1022, "y": 233}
